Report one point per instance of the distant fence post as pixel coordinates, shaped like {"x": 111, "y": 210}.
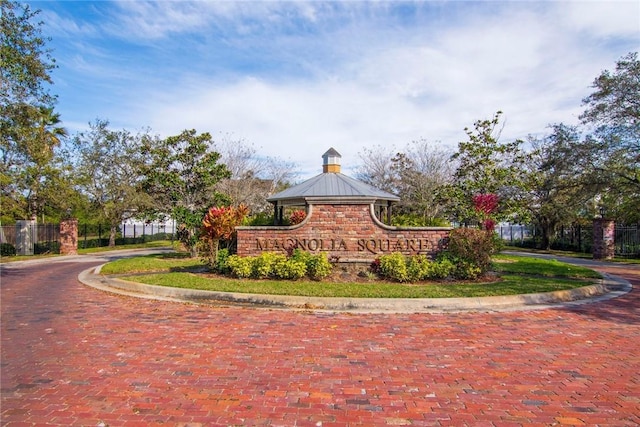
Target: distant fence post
{"x": 69, "y": 237}
{"x": 604, "y": 231}
{"x": 25, "y": 237}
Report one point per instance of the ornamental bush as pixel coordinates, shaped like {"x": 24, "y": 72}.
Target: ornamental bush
{"x": 263, "y": 264}
{"x": 289, "y": 268}
{"x": 467, "y": 270}
{"x": 318, "y": 266}
{"x": 220, "y": 223}
{"x": 440, "y": 269}
{"x": 223, "y": 256}
{"x": 414, "y": 268}
{"x": 297, "y": 217}
{"x": 278, "y": 266}
{"x": 470, "y": 250}
{"x": 241, "y": 267}
{"x": 418, "y": 267}
{"x": 394, "y": 266}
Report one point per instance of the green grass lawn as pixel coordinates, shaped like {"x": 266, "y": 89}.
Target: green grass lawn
{"x": 517, "y": 275}
{"x": 158, "y": 262}
{"x": 147, "y": 245}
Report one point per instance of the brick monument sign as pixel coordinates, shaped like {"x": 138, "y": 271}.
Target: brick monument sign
{"x": 344, "y": 218}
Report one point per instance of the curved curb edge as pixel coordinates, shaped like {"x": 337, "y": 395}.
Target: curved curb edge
{"x": 608, "y": 288}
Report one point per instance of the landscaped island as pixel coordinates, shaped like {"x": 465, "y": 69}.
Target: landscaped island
{"x": 509, "y": 275}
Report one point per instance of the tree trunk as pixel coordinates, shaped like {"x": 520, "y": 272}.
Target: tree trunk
{"x": 193, "y": 249}
{"x": 112, "y": 235}
{"x": 214, "y": 244}
{"x": 546, "y": 237}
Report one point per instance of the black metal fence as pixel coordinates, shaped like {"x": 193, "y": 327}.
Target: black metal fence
{"x": 46, "y": 237}
{"x": 627, "y": 241}
{"x": 576, "y": 238}
{"x": 98, "y": 235}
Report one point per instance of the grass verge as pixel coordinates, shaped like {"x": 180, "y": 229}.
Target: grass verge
{"x": 517, "y": 275}
{"x": 166, "y": 262}
{"x": 154, "y": 244}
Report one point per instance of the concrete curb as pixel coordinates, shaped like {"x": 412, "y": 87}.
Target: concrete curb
{"x": 609, "y": 287}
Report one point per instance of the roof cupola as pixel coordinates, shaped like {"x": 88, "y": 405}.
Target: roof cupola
{"x": 331, "y": 161}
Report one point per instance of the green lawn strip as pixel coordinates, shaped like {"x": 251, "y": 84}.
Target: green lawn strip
{"x": 631, "y": 259}
{"x": 542, "y": 267}
{"x": 147, "y": 245}
{"x": 509, "y": 285}
{"x": 157, "y": 262}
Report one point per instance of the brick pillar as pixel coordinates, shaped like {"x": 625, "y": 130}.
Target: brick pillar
{"x": 604, "y": 231}
{"x": 69, "y": 237}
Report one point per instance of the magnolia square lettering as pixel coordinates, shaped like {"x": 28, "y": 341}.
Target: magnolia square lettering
{"x": 376, "y": 246}
{"x": 311, "y": 245}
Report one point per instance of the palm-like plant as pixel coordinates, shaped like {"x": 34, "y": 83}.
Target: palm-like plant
{"x": 45, "y": 134}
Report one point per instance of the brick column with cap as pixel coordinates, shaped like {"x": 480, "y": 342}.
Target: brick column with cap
{"x": 69, "y": 237}
{"x": 604, "y": 231}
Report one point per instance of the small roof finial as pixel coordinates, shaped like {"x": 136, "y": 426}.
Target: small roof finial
{"x": 331, "y": 161}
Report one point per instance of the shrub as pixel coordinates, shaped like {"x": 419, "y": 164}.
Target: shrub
{"x": 241, "y": 267}
{"x": 473, "y": 246}
{"x": 441, "y": 268}
{"x": 415, "y": 268}
{"x": 259, "y": 219}
{"x": 394, "y": 266}
{"x": 467, "y": 270}
{"x": 297, "y": 217}
{"x": 218, "y": 224}
{"x": 221, "y": 265}
{"x": 277, "y": 265}
{"x": 318, "y": 266}
{"x": 375, "y": 266}
{"x": 7, "y": 249}
{"x": 299, "y": 254}
{"x": 288, "y": 268}
{"x": 263, "y": 264}
{"x": 46, "y": 248}
{"x": 418, "y": 267}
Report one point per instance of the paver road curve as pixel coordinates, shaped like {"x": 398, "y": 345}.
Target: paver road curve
{"x": 73, "y": 355}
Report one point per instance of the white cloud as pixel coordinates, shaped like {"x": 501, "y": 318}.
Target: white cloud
{"x": 613, "y": 18}
{"x": 297, "y": 78}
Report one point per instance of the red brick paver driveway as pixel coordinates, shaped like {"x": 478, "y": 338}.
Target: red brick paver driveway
{"x": 72, "y": 355}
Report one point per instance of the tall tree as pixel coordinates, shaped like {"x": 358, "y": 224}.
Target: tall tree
{"x": 376, "y": 168}
{"x": 612, "y": 153}
{"x": 253, "y": 177}
{"x": 421, "y": 170}
{"x": 45, "y": 137}
{"x": 180, "y": 175}
{"x": 414, "y": 174}
{"x": 486, "y": 166}
{"x": 29, "y": 129}
{"x": 107, "y": 166}
{"x": 26, "y": 61}
{"x": 557, "y": 194}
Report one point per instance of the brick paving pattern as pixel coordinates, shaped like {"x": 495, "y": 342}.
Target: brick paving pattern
{"x": 75, "y": 356}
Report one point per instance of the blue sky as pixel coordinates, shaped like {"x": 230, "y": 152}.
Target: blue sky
{"x": 293, "y": 79}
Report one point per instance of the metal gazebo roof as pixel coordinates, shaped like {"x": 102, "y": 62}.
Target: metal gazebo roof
{"x": 332, "y": 185}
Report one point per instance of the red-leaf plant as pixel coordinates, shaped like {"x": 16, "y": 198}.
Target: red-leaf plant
{"x": 297, "y": 216}
{"x": 486, "y": 205}
{"x": 220, "y": 223}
